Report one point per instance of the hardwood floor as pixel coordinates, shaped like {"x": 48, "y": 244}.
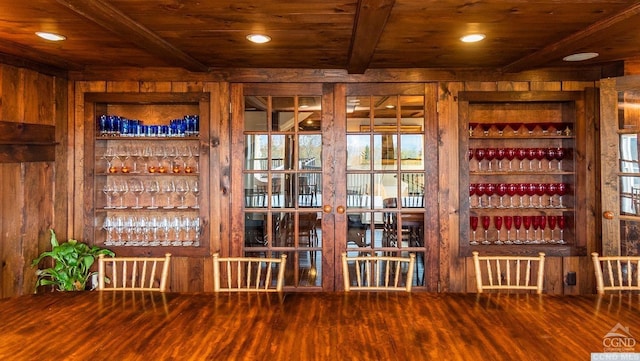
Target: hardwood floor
{"x": 310, "y": 326}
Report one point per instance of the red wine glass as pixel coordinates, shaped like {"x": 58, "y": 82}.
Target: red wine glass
{"x": 560, "y": 152}
{"x": 489, "y": 155}
{"x": 552, "y": 189}
{"x": 552, "y": 226}
{"x": 512, "y": 188}
{"x": 481, "y": 188}
{"x": 472, "y": 192}
{"x": 500, "y": 154}
{"x": 551, "y": 155}
{"x": 490, "y": 191}
{"x": 473, "y": 222}
{"x": 530, "y": 127}
{"x": 535, "y": 223}
{"x": 541, "y": 190}
{"x": 532, "y": 188}
{"x": 485, "y": 128}
{"x": 561, "y": 223}
{"x": 501, "y": 190}
{"x": 500, "y": 127}
{"x": 521, "y": 155}
{"x": 480, "y": 154}
{"x": 531, "y": 155}
{"x": 543, "y": 225}
{"x": 562, "y": 190}
{"x": 486, "y": 222}
{"x": 517, "y": 222}
{"x": 526, "y": 221}
{"x": 497, "y": 222}
{"x": 522, "y": 191}
{"x": 541, "y": 153}
{"x": 510, "y": 154}
{"x": 508, "y": 223}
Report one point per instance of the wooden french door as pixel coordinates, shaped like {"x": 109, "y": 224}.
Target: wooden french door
{"x": 321, "y": 169}
{"x": 620, "y": 159}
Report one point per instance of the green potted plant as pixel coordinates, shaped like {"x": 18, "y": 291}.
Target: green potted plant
{"x": 72, "y": 261}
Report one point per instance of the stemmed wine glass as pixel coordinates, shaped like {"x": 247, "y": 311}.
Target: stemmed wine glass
{"x": 510, "y": 154}
{"x": 472, "y": 126}
{"x": 490, "y": 191}
{"x": 541, "y": 190}
{"x": 486, "y": 222}
{"x": 480, "y": 191}
{"x": 559, "y": 157}
{"x": 108, "y": 225}
{"x": 177, "y": 227}
{"x": 526, "y": 221}
{"x": 561, "y": 191}
{"x": 552, "y": 189}
{"x": 532, "y": 188}
{"x": 501, "y": 153}
{"x": 508, "y": 223}
{"x": 561, "y": 223}
{"x": 473, "y": 222}
{"x": 500, "y": 127}
{"x": 122, "y": 189}
{"x": 187, "y": 224}
{"x": 543, "y": 225}
{"x": 501, "y": 190}
{"x": 541, "y": 153}
{"x": 182, "y": 188}
{"x": 530, "y": 127}
{"x": 168, "y": 188}
{"x": 551, "y": 155}
{"x": 472, "y": 192}
{"x": 531, "y": 155}
{"x": 195, "y": 190}
{"x": 480, "y": 154}
{"x": 521, "y": 191}
{"x": 517, "y": 222}
{"x": 512, "y": 188}
{"x": 137, "y": 188}
{"x": 521, "y": 155}
{"x": 497, "y": 222}
{"x": 552, "y": 226}
{"x": 153, "y": 188}
{"x": 485, "y": 128}
{"x": 490, "y": 154}
{"x": 108, "y": 191}
{"x": 535, "y": 223}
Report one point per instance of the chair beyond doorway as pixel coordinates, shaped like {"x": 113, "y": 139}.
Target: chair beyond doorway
{"x": 509, "y": 272}
{"x": 622, "y": 273}
{"x": 133, "y": 273}
{"x": 378, "y": 273}
{"x": 248, "y": 274}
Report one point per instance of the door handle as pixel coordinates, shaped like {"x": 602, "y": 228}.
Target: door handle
{"x": 340, "y": 209}
{"x": 607, "y": 215}
{"x": 327, "y": 209}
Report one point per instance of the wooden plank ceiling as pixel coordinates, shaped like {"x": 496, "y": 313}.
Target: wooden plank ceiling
{"x": 356, "y": 35}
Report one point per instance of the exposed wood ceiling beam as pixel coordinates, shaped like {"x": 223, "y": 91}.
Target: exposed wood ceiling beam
{"x": 371, "y": 18}
{"x": 110, "y": 18}
{"x": 573, "y": 41}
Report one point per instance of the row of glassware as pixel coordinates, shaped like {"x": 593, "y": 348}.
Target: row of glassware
{"x": 539, "y": 128}
{"x": 152, "y": 231}
{"x": 132, "y": 158}
{"x": 550, "y": 154}
{"x": 119, "y": 126}
{"x": 477, "y": 191}
{"x": 537, "y": 222}
{"x": 134, "y": 193}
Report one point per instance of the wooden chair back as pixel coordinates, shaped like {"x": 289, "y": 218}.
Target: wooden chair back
{"x": 378, "y": 273}
{"x": 616, "y": 273}
{"x": 133, "y": 273}
{"x": 509, "y": 272}
{"x": 248, "y": 274}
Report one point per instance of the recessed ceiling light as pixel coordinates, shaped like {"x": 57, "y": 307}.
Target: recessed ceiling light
{"x": 472, "y": 38}
{"x": 580, "y": 56}
{"x": 258, "y": 38}
{"x": 51, "y": 36}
